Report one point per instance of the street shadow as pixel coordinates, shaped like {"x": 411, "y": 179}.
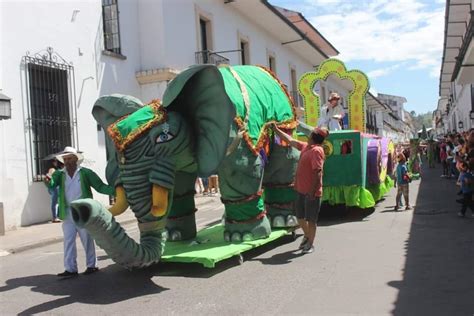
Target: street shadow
{"x": 279, "y": 258}
{"x": 438, "y": 277}
{"x": 340, "y": 214}
{"x": 110, "y": 285}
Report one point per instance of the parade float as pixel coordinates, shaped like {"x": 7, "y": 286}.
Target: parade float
{"x": 358, "y": 165}
{"x": 218, "y": 120}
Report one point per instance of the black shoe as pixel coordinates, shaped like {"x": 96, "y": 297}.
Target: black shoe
{"x": 460, "y": 201}
{"x": 67, "y": 274}
{"x": 460, "y": 193}
{"x": 307, "y": 249}
{"x": 303, "y": 243}
{"x": 90, "y": 271}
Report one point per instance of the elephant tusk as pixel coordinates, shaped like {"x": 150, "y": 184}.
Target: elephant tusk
{"x": 159, "y": 201}
{"x": 121, "y": 203}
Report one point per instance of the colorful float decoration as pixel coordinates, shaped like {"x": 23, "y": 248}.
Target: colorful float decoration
{"x": 357, "y": 164}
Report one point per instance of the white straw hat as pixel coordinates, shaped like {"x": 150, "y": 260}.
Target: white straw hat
{"x": 68, "y": 150}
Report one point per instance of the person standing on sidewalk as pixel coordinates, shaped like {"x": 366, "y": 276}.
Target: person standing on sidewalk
{"x": 308, "y": 182}
{"x": 54, "y": 191}
{"x": 466, "y": 181}
{"x": 403, "y": 181}
{"x": 75, "y": 182}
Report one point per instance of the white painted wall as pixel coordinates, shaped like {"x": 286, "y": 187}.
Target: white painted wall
{"x": 154, "y": 34}
{"x": 50, "y": 23}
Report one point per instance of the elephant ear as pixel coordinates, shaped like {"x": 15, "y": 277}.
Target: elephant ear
{"x": 107, "y": 110}
{"x": 199, "y": 95}
{"x": 110, "y": 108}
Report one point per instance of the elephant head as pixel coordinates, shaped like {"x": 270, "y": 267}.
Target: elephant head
{"x": 155, "y": 151}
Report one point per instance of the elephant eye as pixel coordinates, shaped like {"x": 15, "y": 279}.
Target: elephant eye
{"x": 164, "y": 137}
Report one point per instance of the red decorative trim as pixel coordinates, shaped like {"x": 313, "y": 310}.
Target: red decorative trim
{"x": 279, "y": 186}
{"x": 244, "y": 200}
{"x": 247, "y": 221}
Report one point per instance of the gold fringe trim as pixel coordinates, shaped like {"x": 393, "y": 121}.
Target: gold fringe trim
{"x": 122, "y": 142}
{"x": 264, "y": 139}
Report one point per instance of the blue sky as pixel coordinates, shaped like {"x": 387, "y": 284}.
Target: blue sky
{"x": 397, "y": 43}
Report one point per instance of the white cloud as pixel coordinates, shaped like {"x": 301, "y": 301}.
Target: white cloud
{"x": 382, "y": 71}
{"x": 381, "y": 30}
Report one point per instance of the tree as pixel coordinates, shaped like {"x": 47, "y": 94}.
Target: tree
{"x": 424, "y": 135}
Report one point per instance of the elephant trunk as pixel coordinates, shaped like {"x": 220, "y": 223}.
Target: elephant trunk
{"x": 111, "y": 237}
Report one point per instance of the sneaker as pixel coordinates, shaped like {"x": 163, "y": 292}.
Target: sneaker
{"x": 408, "y": 208}
{"x": 56, "y": 220}
{"x": 90, "y": 271}
{"x": 67, "y": 274}
{"x": 308, "y": 249}
{"x": 461, "y": 214}
{"x": 303, "y": 243}
{"x": 396, "y": 208}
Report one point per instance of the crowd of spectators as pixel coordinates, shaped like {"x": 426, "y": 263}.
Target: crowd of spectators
{"x": 456, "y": 154}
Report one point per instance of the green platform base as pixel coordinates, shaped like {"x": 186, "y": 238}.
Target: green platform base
{"x": 209, "y": 247}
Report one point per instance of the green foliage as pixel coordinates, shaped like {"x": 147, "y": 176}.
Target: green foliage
{"x": 423, "y": 120}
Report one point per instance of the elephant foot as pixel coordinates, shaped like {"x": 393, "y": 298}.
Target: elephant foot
{"x": 281, "y": 217}
{"x": 181, "y": 228}
{"x": 282, "y": 221}
{"x": 244, "y": 231}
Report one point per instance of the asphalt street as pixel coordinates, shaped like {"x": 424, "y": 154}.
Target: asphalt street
{"x": 416, "y": 262}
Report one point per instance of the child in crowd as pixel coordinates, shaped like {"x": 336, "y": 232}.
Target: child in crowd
{"x": 466, "y": 180}
{"x": 403, "y": 180}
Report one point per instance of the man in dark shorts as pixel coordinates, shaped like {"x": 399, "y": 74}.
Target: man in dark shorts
{"x": 308, "y": 182}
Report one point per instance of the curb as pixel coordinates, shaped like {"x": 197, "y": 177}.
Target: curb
{"x": 58, "y": 239}
{"x": 50, "y": 241}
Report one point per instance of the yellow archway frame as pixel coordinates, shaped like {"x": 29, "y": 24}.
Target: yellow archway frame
{"x": 356, "y": 101}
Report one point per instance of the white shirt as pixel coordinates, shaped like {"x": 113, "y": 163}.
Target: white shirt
{"x": 73, "y": 190}
{"x": 327, "y": 114}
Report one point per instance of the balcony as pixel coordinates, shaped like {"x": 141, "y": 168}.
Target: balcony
{"x": 209, "y": 57}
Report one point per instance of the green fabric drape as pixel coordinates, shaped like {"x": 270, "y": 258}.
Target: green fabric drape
{"x": 268, "y": 102}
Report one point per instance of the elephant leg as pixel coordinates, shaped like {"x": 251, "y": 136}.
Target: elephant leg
{"x": 278, "y": 183}
{"x": 240, "y": 176}
{"x": 181, "y": 223}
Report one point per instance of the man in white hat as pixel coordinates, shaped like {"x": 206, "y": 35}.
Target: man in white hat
{"x": 332, "y": 113}
{"x": 74, "y": 183}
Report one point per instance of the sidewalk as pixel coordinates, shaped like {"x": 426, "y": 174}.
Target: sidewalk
{"x": 39, "y": 235}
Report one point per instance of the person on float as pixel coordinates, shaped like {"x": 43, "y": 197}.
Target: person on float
{"x": 332, "y": 113}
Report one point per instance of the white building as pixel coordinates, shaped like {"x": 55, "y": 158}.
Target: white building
{"x": 62, "y": 64}
{"x": 456, "y": 84}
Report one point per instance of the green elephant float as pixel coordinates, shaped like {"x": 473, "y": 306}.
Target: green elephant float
{"x": 211, "y": 120}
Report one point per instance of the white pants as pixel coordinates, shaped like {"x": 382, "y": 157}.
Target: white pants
{"x": 70, "y": 231}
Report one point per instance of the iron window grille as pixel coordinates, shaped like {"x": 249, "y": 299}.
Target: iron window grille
{"x": 209, "y": 57}
{"x": 111, "y": 25}
{"x": 51, "y": 111}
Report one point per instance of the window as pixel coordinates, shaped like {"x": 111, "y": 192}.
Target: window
{"x": 294, "y": 87}
{"x": 203, "y": 31}
{"x": 111, "y": 26}
{"x": 272, "y": 63}
{"x": 50, "y": 93}
{"x": 244, "y": 52}
{"x": 342, "y": 147}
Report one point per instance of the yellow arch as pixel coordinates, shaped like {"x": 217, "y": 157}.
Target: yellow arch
{"x": 356, "y": 100}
